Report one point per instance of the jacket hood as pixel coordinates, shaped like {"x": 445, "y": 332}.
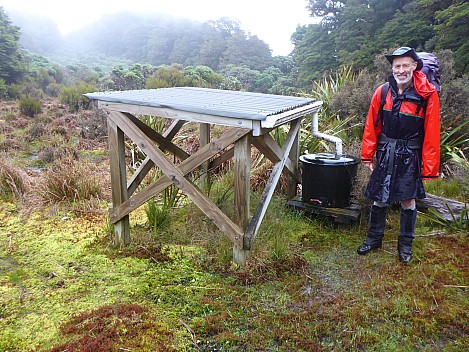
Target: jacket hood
{"x": 421, "y": 84}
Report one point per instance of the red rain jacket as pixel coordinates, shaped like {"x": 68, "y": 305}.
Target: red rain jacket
{"x": 431, "y": 120}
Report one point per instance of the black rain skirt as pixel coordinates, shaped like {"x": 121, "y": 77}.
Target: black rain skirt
{"x": 398, "y": 179}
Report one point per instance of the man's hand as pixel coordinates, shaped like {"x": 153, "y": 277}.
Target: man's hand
{"x": 368, "y": 164}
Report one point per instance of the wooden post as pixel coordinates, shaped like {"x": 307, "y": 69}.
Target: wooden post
{"x": 204, "y": 140}
{"x": 242, "y": 171}
{"x": 118, "y": 180}
{"x": 294, "y": 156}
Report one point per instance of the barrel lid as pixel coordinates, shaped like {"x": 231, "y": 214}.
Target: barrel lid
{"x": 328, "y": 158}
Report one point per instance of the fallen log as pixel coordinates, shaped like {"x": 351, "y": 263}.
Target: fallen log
{"x": 446, "y": 207}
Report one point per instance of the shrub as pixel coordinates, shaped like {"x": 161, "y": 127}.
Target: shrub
{"x": 92, "y": 124}
{"x": 354, "y": 97}
{"x": 70, "y": 180}
{"x": 12, "y": 182}
{"x": 3, "y": 89}
{"x": 453, "y": 99}
{"x": 53, "y": 89}
{"x": 74, "y": 98}
{"x": 29, "y": 106}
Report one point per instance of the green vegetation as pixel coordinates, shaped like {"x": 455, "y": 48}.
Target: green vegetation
{"x": 353, "y": 32}
{"x": 73, "y": 96}
{"x": 12, "y": 182}
{"x": 175, "y": 287}
{"x": 305, "y": 288}
{"x": 30, "y": 106}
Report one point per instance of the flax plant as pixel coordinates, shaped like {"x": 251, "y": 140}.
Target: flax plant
{"x": 454, "y": 144}
{"x": 329, "y": 121}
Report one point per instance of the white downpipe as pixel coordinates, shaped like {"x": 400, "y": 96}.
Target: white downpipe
{"x": 326, "y": 137}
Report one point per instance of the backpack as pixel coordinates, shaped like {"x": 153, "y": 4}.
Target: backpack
{"x": 431, "y": 69}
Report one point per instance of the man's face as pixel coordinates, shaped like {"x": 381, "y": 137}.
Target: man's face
{"x": 403, "y": 68}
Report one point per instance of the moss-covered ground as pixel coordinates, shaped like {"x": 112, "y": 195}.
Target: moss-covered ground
{"x": 63, "y": 287}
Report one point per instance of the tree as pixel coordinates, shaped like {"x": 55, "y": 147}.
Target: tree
{"x": 244, "y": 75}
{"x": 251, "y": 52}
{"x": 453, "y": 33}
{"x": 11, "y": 55}
{"x": 315, "y": 53}
{"x": 352, "y": 32}
{"x": 165, "y": 77}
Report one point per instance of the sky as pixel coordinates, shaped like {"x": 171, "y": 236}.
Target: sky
{"x": 273, "y": 21}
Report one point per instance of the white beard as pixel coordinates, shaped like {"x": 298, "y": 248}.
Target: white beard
{"x": 403, "y": 81}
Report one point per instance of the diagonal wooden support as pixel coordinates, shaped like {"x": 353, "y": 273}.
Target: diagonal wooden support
{"x": 163, "y": 142}
{"x": 176, "y": 176}
{"x": 267, "y": 145}
{"x": 139, "y": 175}
{"x": 185, "y": 167}
{"x": 269, "y": 189}
{"x": 147, "y": 164}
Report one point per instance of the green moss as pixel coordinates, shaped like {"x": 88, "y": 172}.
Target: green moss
{"x": 304, "y": 289}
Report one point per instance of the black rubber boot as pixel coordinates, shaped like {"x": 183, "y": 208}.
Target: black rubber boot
{"x": 406, "y": 235}
{"x": 374, "y": 237}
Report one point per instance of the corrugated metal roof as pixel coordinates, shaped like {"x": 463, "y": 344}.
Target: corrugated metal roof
{"x": 245, "y": 105}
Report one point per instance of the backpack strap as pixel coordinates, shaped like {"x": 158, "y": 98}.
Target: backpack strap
{"x": 384, "y": 93}
{"x": 422, "y": 104}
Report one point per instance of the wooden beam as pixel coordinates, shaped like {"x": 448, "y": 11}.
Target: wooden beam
{"x": 188, "y": 165}
{"x": 139, "y": 175}
{"x": 173, "y": 129}
{"x": 147, "y": 164}
{"x": 269, "y": 189}
{"x": 269, "y": 147}
{"x": 204, "y": 139}
{"x": 145, "y": 143}
{"x": 163, "y": 143}
{"x": 450, "y": 210}
{"x": 242, "y": 172}
{"x": 222, "y": 158}
{"x": 118, "y": 180}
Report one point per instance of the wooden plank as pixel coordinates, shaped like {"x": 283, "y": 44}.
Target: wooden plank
{"x": 446, "y": 207}
{"x": 173, "y": 129}
{"x": 118, "y": 180}
{"x": 204, "y": 139}
{"x": 242, "y": 172}
{"x": 266, "y": 196}
{"x": 345, "y": 215}
{"x": 294, "y": 180}
{"x": 176, "y": 114}
{"x": 222, "y": 158}
{"x": 139, "y": 175}
{"x": 267, "y": 145}
{"x": 188, "y": 165}
{"x": 163, "y": 143}
{"x": 148, "y": 164}
{"x": 232, "y": 230}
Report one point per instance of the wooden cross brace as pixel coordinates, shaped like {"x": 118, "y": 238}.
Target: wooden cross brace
{"x": 242, "y": 230}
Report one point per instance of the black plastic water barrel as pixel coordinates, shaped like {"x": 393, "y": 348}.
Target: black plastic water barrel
{"x": 327, "y": 179}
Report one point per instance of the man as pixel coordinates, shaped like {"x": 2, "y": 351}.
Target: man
{"x": 405, "y": 136}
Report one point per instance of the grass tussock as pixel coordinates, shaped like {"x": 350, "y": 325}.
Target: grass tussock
{"x": 13, "y": 182}
{"x": 70, "y": 180}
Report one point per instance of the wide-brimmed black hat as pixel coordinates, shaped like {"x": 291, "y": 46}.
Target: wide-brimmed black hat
{"x": 405, "y": 51}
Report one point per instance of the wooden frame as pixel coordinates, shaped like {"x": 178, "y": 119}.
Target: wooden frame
{"x": 235, "y": 143}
